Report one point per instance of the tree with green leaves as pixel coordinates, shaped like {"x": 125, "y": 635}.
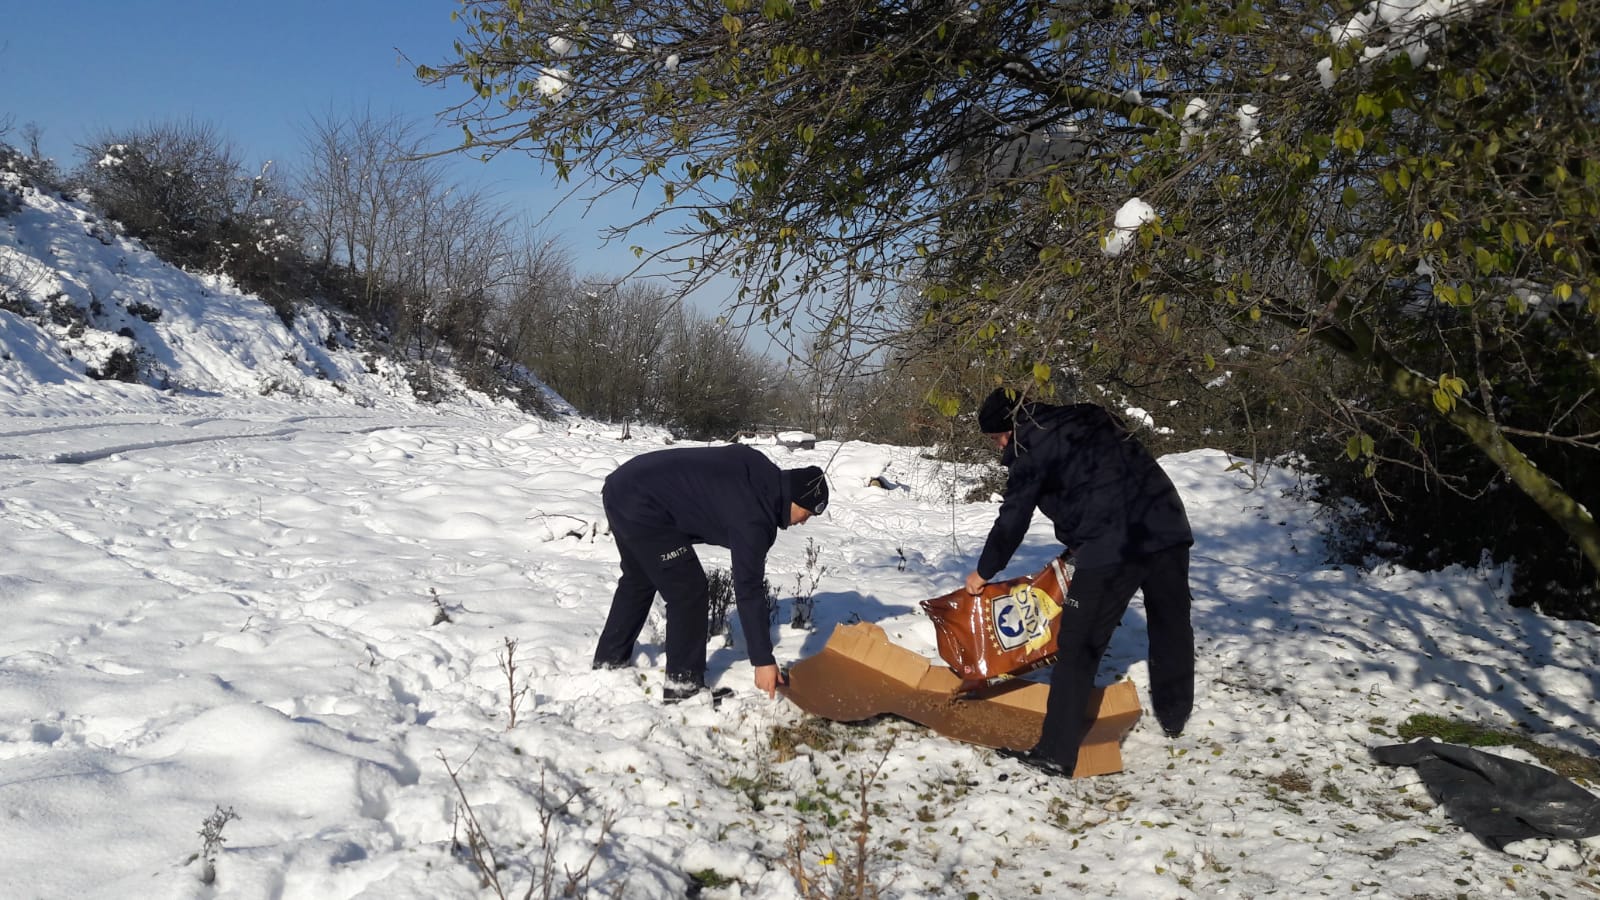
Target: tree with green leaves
{"x": 1384, "y": 213}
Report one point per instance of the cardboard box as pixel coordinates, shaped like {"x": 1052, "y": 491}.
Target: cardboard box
{"x": 861, "y": 674}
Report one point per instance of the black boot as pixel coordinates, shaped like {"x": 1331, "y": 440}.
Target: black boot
{"x": 1042, "y": 764}
{"x": 675, "y": 693}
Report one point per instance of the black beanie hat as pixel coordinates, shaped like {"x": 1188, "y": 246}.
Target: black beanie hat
{"x": 995, "y": 415}
{"x": 808, "y": 487}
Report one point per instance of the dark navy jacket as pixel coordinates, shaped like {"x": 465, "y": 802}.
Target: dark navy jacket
{"x": 1108, "y": 497}
{"x": 730, "y": 496}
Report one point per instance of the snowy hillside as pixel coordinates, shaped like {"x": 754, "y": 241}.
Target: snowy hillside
{"x": 91, "y": 310}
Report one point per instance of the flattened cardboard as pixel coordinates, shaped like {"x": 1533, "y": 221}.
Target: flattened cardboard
{"x": 860, "y": 674}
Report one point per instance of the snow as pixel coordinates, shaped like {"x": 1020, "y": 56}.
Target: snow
{"x": 1196, "y": 113}
{"x": 1130, "y": 216}
{"x": 297, "y": 605}
{"x": 1409, "y": 24}
{"x": 1249, "y": 127}
{"x": 553, "y": 82}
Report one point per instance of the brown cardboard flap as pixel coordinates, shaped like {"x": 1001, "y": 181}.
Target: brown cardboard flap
{"x": 861, "y": 674}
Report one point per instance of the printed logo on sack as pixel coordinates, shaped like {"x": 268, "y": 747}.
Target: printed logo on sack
{"x": 1022, "y": 617}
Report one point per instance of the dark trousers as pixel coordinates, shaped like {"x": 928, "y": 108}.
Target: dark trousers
{"x": 1096, "y": 602}
{"x": 655, "y": 561}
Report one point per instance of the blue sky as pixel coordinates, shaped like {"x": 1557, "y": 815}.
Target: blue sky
{"x": 260, "y": 72}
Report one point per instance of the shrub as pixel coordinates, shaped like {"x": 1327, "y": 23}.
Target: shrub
{"x": 1420, "y": 520}
{"x": 722, "y": 604}
{"x": 121, "y": 365}
{"x": 171, "y": 185}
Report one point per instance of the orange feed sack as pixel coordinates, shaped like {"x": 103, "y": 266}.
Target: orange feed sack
{"x": 1008, "y": 630}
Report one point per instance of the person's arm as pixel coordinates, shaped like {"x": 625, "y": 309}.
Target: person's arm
{"x": 1023, "y": 484}
{"x": 750, "y": 595}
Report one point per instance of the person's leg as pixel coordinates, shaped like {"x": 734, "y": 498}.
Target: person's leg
{"x": 630, "y": 607}
{"x": 1166, "y": 606}
{"x": 659, "y": 561}
{"x": 682, "y": 582}
{"x": 1096, "y": 601}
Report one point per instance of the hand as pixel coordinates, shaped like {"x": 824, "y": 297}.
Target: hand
{"x": 768, "y": 678}
{"x": 975, "y": 583}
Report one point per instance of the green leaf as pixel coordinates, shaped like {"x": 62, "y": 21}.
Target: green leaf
{"x": 1444, "y": 396}
{"x": 946, "y": 404}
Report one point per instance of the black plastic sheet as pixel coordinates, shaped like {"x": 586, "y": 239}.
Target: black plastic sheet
{"x": 1499, "y": 800}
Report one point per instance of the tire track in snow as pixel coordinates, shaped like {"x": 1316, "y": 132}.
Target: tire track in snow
{"x": 240, "y": 431}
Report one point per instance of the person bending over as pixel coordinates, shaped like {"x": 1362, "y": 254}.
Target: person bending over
{"x": 661, "y": 504}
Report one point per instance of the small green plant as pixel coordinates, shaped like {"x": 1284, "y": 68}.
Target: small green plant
{"x": 753, "y": 789}
{"x": 1474, "y": 734}
{"x": 707, "y": 878}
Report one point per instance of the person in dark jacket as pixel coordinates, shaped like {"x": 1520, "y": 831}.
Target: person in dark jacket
{"x": 1124, "y": 525}
{"x": 661, "y": 504}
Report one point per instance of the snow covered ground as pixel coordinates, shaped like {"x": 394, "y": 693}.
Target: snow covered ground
{"x": 290, "y": 611}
